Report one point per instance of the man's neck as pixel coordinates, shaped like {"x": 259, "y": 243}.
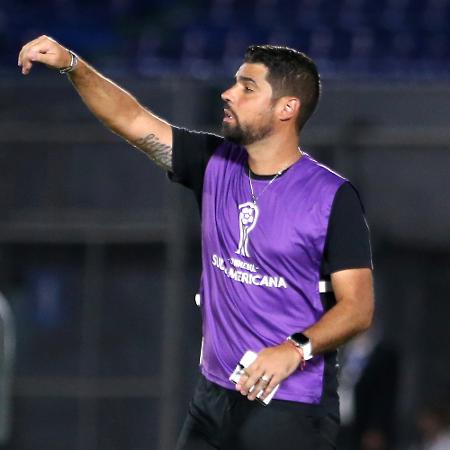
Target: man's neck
{"x": 270, "y": 155}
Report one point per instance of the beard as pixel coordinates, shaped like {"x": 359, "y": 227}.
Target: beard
{"x": 245, "y": 135}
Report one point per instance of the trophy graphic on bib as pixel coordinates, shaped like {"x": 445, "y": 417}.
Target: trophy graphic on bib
{"x": 248, "y": 216}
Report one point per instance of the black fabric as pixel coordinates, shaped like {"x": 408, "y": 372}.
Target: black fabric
{"x": 347, "y": 244}
{"x": 222, "y": 419}
{"x": 191, "y": 153}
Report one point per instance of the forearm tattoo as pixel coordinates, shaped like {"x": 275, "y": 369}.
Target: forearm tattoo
{"x": 156, "y": 151}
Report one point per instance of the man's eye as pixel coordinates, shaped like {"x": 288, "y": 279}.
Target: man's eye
{"x": 247, "y": 89}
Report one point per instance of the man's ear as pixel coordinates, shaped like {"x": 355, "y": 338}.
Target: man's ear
{"x": 289, "y": 108}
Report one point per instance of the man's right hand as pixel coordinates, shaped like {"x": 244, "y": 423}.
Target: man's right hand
{"x": 44, "y": 50}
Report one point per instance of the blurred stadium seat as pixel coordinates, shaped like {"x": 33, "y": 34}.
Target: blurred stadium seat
{"x": 349, "y": 37}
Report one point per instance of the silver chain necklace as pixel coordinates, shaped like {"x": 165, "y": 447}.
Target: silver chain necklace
{"x": 254, "y": 197}
{"x": 279, "y": 173}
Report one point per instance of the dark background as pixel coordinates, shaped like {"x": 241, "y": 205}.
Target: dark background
{"x": 99, "y": 253}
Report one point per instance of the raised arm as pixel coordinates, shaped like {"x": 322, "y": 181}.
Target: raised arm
{"x": 111, "y": 104}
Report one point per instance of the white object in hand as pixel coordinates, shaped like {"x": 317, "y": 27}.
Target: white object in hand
{"x": 245, "y": 361}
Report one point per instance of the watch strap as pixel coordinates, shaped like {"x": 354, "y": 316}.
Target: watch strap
{"x": 72, "y": 65}
{"x": 303, "y": 342}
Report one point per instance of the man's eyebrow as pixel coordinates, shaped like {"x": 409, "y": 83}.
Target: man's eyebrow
{"x": 247, "y": 79}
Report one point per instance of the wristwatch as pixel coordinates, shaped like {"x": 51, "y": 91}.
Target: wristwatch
{"x": 303, "y": 342}
{"x": 72, "y": 65}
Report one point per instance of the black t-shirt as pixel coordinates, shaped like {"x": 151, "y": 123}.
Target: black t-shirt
{"x": 347, "y": 244}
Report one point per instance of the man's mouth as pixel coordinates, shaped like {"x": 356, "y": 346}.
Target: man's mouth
{"x": 228, "y": 116}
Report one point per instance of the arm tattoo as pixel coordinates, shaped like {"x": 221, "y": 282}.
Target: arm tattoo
{"x": 160, "y": 153}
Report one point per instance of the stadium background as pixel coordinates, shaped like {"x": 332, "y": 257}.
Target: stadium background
{"x": 99, "y": 253}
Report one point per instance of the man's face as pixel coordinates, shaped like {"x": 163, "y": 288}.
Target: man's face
{"x": 248, "y": 109}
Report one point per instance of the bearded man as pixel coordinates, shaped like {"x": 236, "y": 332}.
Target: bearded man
{"x": 287, "y": 269}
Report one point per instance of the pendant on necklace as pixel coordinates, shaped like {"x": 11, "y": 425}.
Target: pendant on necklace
{"x": 252, "y": 192}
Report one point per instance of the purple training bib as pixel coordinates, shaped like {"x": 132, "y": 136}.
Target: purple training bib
{"x": 261, "y": 263}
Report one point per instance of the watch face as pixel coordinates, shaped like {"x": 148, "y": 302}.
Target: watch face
{"x": 300, "y": 338}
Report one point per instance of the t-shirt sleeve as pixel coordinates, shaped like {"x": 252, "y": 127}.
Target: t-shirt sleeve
{"x": 191, "y": 153}
{"x": 347, "y": 244}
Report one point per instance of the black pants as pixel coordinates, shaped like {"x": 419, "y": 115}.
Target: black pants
{"x": 222, "y": 419}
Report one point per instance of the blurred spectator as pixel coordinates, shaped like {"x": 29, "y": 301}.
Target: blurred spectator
{"x": 368, "y": 393}
{"x": 433, "y": 425}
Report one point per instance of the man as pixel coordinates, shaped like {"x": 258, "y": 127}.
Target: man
{"x": 279, "y": 232}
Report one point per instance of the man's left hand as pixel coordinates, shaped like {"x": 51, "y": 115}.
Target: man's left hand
{"x": 271, "y": 367}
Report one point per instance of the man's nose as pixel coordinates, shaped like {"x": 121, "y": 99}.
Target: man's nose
{"x": 227, "y": 96}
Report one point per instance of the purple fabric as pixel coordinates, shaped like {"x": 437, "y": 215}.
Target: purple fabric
{"x": 261, "y": 267}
